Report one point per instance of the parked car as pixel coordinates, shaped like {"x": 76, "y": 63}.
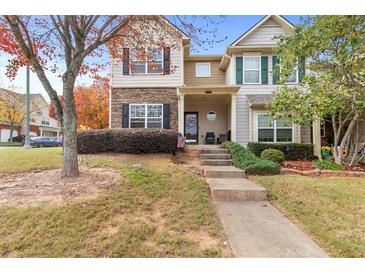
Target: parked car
{"x": 43, "y": 141}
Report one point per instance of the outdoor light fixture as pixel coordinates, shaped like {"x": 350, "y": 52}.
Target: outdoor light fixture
{"x": 208, "y": 92}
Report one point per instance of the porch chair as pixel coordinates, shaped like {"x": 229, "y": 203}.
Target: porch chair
{"x": 210, "y": 138}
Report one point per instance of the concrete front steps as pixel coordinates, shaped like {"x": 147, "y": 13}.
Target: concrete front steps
{"x": 238, "y": 189}
{"x": 226, "y": 182}
{"x": 255, "y": 229}
{"x": 223, "y": 172}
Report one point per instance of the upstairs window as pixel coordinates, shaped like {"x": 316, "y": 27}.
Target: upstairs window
{"x": 146, "y": 60}
{"x": 269, "y": 130}
{"x": 293, "y": 77}
{"x": 45, "y": 122}
{"x": 145, "y": 116}
{"x": 202, "y": 69}
{"x": 251, "y": 69}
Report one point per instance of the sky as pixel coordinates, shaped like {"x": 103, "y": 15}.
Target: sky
{"x": 233, "y": 27}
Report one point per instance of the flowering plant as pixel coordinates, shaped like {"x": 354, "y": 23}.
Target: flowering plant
{"x": 325, "y": 149}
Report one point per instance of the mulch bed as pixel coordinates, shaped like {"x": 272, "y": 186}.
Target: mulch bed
{"x": 299, "y": 165}
{"x": 307, "y": 168}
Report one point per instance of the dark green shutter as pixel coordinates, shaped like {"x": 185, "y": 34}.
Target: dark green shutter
{"x": 125, "y": 61}
{"x": 275, "y": 71}
{"x": 125, "y": 116}
{"x": 239, "y": 70}
{"x": 166, "y": 116}
{"x": 301, "y": 66}
{"x": 264, "y": 70}
{"x": 166, "y": 60}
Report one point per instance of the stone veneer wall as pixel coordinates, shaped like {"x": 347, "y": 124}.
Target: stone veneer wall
{"x": 120, "y": 96}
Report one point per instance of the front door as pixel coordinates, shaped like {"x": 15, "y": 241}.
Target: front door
{"x": 191, "y": 127}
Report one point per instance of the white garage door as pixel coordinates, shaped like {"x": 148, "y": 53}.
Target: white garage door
{"x": 5, "y": 134}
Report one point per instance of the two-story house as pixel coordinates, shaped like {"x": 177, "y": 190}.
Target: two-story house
{"x": 196, "y": 94}
{"x": 40, "y": 124}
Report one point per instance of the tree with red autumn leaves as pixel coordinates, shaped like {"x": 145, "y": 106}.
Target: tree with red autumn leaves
{"x": 92, "y": 106}
{"x": 69, "y": 46}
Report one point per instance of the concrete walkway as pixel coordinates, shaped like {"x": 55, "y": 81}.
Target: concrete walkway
{"x": 258, "y": 230}
{"x": 255, "y": 229}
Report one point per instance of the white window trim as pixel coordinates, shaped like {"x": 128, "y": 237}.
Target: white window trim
{"x": 274, "y": 127}
{"x": 146, "y": 114}
{"x": 209, "y": 70}
{"x": 243, "y": 70}
{"x": 146, "y": 63}
{"x": 297, "y": 76}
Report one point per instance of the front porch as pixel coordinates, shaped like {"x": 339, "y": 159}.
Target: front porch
{"x": 207, "y": 111}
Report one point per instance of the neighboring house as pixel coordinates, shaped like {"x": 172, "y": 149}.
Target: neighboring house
{"x": 40, "y": 122}
{"x": 208, "y": 93}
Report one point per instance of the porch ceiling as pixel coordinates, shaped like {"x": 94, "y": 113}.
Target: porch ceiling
{"x": 209, "y": 89}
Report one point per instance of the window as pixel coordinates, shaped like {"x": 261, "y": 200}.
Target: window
{"x": 146, "y": 60}
{"x": 145, "y": 116}
{"x": 279, "y": 130}
{"x": 251, "y": 69}
{"x": 45, "y": 122}
{"x": 292, "y": 78}
{"x": 202, "y": 69}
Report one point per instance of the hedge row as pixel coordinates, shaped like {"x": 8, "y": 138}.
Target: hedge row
{"x": 134, "y": 141}
{"x": 292, "y": 151}
{"x": 246, "y": 160}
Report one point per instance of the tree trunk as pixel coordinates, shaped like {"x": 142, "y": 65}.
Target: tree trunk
{"x": 354, "y": 157}
{"x": 11, "y": 132}
{"x": 70, "y": 163}
{"x": 345, "y": 139}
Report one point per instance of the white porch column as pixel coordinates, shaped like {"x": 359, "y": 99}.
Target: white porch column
{"x": 316, "y": 130}
{"x": 233, "y": 117}
{"x": 180, "y": 115}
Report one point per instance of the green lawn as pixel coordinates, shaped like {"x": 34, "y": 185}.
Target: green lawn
{"x": 158, "y": 210}
{"x": 10, "y": 144}
{"x": 14, "y": 160}
{"x": 332, "y": 210}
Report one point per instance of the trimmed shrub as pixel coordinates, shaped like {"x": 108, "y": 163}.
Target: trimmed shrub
{"x": 246, "y": 160}
{"x": 327, "y": 165}
{"x": 292, "y": 151}
{"x": 134, "y": 141}
{"x": 19, "y": 138}
{"x": 274, "y": 155}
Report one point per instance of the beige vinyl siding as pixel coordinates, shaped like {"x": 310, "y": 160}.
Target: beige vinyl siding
{"x": 242, "y": 120}
{"x": 216, "y": 75}
{"x": 174, "y": 79}
{"x": 264, "y": 35}
{"x": 229, "y": 74}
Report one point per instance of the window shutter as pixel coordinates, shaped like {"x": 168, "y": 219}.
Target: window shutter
{"x": 239, "y": 70}
{"x": 166, "y": 116}
{"x": 125, "y": 116}
{"x": 301, "y": 66}
{"x": 275, "y": 71}
{"x": 166, "y": 60}
{"x": 125, "y": 61}
{"x": 264, "y": 70}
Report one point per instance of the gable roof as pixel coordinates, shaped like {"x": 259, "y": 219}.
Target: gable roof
{"x": 279, "y": 19}
{"x": 157, "y": 18}
{"x": 36, "y": 99}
